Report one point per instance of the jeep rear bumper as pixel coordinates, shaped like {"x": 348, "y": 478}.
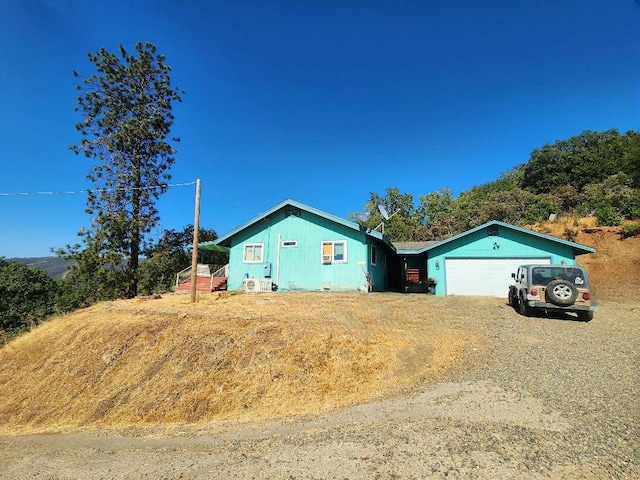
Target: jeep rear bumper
{"x": 568, "y": 308}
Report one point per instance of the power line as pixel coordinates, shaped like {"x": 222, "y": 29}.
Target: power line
{"x": 229, "y": 199}
{"x": 74, "y": 192}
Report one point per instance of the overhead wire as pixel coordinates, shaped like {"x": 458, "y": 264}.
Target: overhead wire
{"x": 204, "y": 187}
{"x": 74, "y": 192}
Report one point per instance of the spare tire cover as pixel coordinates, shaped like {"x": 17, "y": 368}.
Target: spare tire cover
{"x": 561, "y": 292}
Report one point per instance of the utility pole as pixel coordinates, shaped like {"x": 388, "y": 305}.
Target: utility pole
{"x": 194, "y": 255}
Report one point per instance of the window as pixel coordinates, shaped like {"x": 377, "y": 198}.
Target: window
{"x": 492, "y": 231}
{"x": 374, "y": 255}
{"x": 253, "y": 253}
{"x": 289, "y": 243}
{"x": 334, "y": 251}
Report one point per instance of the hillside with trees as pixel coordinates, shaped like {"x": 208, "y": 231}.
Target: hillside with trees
{"x": 31, "y": 290}
{"x": 594, "y": 174}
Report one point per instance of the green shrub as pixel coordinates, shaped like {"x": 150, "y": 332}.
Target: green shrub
{"x": 630, "y": 206}
{"x": 26, "y": 297}
{"x": 607, "y": 216}
{"x": 630, "y": 230}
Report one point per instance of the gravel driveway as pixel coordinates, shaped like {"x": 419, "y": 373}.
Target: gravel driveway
{"x": 548, "y": 398}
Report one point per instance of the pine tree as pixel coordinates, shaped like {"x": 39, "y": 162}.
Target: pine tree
{"x": 127, "y": 117}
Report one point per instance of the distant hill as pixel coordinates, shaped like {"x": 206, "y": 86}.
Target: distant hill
{"x": 54, "y": 266}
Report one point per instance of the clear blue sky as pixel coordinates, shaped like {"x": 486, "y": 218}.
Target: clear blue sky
{"x": 319, "y": 101}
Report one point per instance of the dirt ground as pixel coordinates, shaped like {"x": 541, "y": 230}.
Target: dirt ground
{"x": 536, "y": 398}
{"x": 343, "y": 444}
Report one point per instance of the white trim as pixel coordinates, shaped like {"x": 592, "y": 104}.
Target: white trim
{"x": 374, "y": 255}
{"x": 289, "y": 243}
{"x": 244, "y": 252}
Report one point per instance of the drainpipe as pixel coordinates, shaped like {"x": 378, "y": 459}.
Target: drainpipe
{"x": 278, "y": 263}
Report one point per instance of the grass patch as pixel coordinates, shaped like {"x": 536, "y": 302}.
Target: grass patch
{"x": 226, "y": 357}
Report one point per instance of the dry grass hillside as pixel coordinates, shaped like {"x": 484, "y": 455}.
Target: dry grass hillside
{"x": 614, "y": 269}
{"x": 241, "y": 356}
{"x": 225, "y": 357}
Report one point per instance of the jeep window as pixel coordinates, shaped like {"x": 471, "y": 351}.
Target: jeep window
{"x": 522, "y": 274}
{"x": 544, "y": 275}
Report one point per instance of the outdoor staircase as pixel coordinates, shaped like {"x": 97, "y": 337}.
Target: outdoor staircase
{"x": 204, "y": 283}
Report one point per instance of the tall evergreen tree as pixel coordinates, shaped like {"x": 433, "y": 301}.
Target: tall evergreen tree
{"x": 127, "y": 117}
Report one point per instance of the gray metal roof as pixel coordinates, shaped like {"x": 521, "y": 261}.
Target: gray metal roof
{"x": 412, "y": 245}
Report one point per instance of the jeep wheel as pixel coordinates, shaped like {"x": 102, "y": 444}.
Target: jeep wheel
{"x": 585, "y": 316}
{"x": 562, "y": 292}
{"x": 523, "y": 307}
{"x": 513, "y": 301}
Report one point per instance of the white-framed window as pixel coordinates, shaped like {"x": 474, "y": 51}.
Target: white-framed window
{"x": 374, "y": 255}
{"x": 253, "y": 253}
{"x": 289, "y": 243}
{"x": 334, "y": 251}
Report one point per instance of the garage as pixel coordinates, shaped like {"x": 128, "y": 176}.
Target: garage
{"x": 483, "y": 276}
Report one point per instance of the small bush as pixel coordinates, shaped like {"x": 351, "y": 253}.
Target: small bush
{"x": 630, "y": 206}
{"x": 630, "y": 230}
{"x": 607, "y": 216}
{"x": 570, "y": 234}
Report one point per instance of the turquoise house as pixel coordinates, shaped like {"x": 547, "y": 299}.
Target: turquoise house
{"x": 480, "y": 261}
{"x": 293, "y": 246}
{"x": 298, "y": 247}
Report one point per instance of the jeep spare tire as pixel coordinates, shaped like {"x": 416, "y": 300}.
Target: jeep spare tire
{"x": 562, "y": 292}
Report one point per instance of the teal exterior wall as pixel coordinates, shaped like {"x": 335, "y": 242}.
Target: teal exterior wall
{"x": 379, "y": 272}
{"x": 300, "y": 266}
{"x": 479, "y": 244}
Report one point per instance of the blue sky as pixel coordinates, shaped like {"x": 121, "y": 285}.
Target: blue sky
{"x": 319, "y": 101}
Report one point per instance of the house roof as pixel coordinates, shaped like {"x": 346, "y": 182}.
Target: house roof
{"x": 577, "y": 247}
{"x": 225, "y": 239}
{"x": 399, "y": 247}
{"x": 411, "y": 246}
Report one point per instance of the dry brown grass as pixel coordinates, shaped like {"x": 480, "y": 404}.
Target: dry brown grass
{"x": 614, "y": 269}
{"x": 227, "y": 357}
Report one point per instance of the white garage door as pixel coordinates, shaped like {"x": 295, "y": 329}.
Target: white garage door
{"x": 483, "y": 276}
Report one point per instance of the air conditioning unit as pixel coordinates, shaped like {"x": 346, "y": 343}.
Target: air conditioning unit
{"x": 251, "y": 285}
{"x": 257, "y": 285}
{"x": 326, "y": 258}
